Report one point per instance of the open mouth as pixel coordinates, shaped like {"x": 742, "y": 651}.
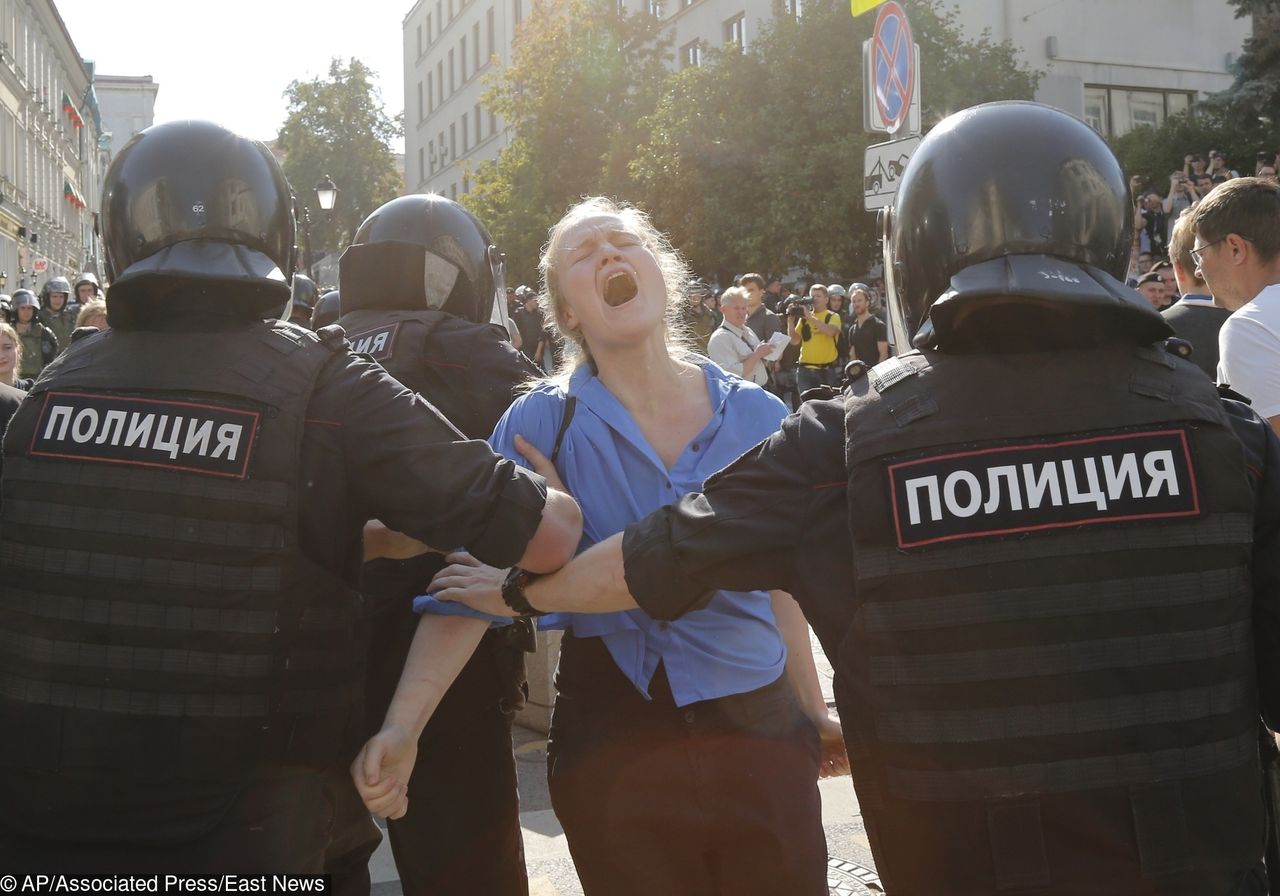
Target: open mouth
{"x": 619, "y": 289}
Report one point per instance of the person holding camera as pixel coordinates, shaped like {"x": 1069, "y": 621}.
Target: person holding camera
{"x": 815, "y": 328}
{"x": 1182, "y": 195}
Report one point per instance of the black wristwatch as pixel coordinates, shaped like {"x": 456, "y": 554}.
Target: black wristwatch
{"x": 513, "y": 592}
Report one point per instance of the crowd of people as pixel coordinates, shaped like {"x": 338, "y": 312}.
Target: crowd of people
{"x": 1040, "y": 551}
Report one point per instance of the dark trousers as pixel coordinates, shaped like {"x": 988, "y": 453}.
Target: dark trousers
{"x": 811, "y": 377}
{"x": 292, "y": 823}
{"x": 462, "y": 832}
{"x": 718, "y": 797}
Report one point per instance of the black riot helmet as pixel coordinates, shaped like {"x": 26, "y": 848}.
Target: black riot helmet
{"x": 58, "y": 284}
{"x": 1011, "y": 212}
{"x": 327, "y": 311}
{"x": 423, "y": 252}
{"x": 189, "y": 204}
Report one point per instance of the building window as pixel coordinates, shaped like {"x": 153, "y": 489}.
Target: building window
{"x": 466, "y": 134}
{"x": 517, "y": 11}
{"x": 453, "y": 191}
{"x": 429, "y": 38}
{"x": 685, "y": 4}
{"x": 466, "y": 185}
{"x": 444, "y": 155}
{"x": 439, "y": 18}
{"x": 453, "y": 81}
{"x": 419, "y": 40}
{"x": 489, "y": 27}
{"x": 655, "y": 8}
{"x": 453, "y": 141}
{"x": 450, "y": 10}
{"x": 793, "y": 8}
{"x": 691, "y": 54}
{"x": 431, "y": 94}
{"x": 475, "y": 48}
{"x": 462, "y": 58}
{"x": 422, "y": 163}
{"x": 735, "y": 30}
{"x": 493, "y": 123}
{"x": 421, "y": 106}
{"x": 440, "y": 82}
{"x": 477, "y": 121}
{"x": 1115, "y": 111}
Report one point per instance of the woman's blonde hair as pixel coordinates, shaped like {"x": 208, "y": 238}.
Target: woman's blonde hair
{"x": 90, "y": 311}
{"x": 8, "y": 330}
{"x": 675, "y": 273}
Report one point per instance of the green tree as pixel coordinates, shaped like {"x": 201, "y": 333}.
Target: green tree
{"x": 1252, "y": 103}
{"x": 582, "y": 76}
{"x": 337, "y": 126}
{"x": 754, "y": 160}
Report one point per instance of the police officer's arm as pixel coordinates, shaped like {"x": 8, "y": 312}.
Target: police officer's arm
{"x": 408, "y": 467}
{"x": 744, "y": 533}
{"x": 1262, "y": 457}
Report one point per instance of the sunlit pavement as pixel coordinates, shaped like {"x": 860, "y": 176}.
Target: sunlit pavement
{"x": 551, "y": 870}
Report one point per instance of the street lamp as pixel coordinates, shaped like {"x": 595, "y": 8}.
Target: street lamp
{"x": 327, "y": 193}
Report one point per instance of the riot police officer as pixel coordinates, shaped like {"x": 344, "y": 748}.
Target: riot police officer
{"x": 1057, "y": 618}
{"x": 86, "y": 287}
{"x": 183, "y": 661}
{"x": 302, "y": 300}
{"x": 39, "y": 344}
{"x": 327, "y": 311}
{"x": 58, "y": 311}
{"x": 419, "y": 287}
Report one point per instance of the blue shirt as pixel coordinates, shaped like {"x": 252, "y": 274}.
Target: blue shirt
{"x": 730, "y": 647}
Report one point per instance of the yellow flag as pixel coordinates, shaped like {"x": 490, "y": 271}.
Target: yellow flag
{"x": 858, "y": 7}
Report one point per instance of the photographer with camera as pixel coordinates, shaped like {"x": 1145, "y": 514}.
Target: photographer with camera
{"x": 1182, "y": 195}
{"x": 815, "y": 328}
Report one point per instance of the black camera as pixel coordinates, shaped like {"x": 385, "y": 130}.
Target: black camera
{"x": 795, "y": 305}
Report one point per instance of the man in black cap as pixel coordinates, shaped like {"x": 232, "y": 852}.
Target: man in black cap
{"x": 1058, "y": 617}
{"x": 1152, "y": 288}
{"x": 182, "y": 672}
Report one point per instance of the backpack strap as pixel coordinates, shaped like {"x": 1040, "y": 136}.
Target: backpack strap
{"x": 570, "y": 403}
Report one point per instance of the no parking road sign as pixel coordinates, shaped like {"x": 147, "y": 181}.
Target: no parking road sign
{"x": 891, "y": 64}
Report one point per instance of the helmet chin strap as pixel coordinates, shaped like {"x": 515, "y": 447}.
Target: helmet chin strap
{"x": 498, "y": 268}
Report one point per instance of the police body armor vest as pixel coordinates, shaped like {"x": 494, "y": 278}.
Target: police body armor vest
{"x": 1052, "y": 656}
{"x": 466, "y": 370}
{"x": 157, "y": 609}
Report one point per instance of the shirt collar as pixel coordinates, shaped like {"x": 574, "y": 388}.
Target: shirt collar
{"x": 593, "y": 394}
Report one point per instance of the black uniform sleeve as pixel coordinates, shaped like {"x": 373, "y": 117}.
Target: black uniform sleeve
{"x": 747, "y": 530}
{"x": 406, "y": 467}
{"x": 1262, "y": 456}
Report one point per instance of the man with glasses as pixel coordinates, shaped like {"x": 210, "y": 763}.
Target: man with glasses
{"x": 1237, "y": 252}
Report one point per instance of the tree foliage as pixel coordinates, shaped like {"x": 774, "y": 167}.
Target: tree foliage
{"x": 337, "y": 126}
{"x": 582, "y": 76}
{"x": 751, "y": 161}
{"x": 1252, "y": 103}
{"x": 755, "y": 161}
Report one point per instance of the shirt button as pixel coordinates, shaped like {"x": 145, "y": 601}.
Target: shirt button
{"x": 668, "y": 485}
{"x": 689, "y": 716}
{"x": 695, "y": 446}
{"x": 664, "y": 625}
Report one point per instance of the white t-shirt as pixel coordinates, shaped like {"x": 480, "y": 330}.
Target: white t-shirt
{"x": 1249, "y": 351}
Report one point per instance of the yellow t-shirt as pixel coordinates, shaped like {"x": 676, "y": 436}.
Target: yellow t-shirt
{"x": 819, "y": 348}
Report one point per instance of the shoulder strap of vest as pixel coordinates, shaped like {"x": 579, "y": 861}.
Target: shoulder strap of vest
{"x": 570, "y": 404}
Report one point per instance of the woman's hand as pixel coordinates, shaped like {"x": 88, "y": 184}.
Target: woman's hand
{"x": 381, "y": 771}
{"x": 834, "y": 760}
{"x": 468, "y": 581}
